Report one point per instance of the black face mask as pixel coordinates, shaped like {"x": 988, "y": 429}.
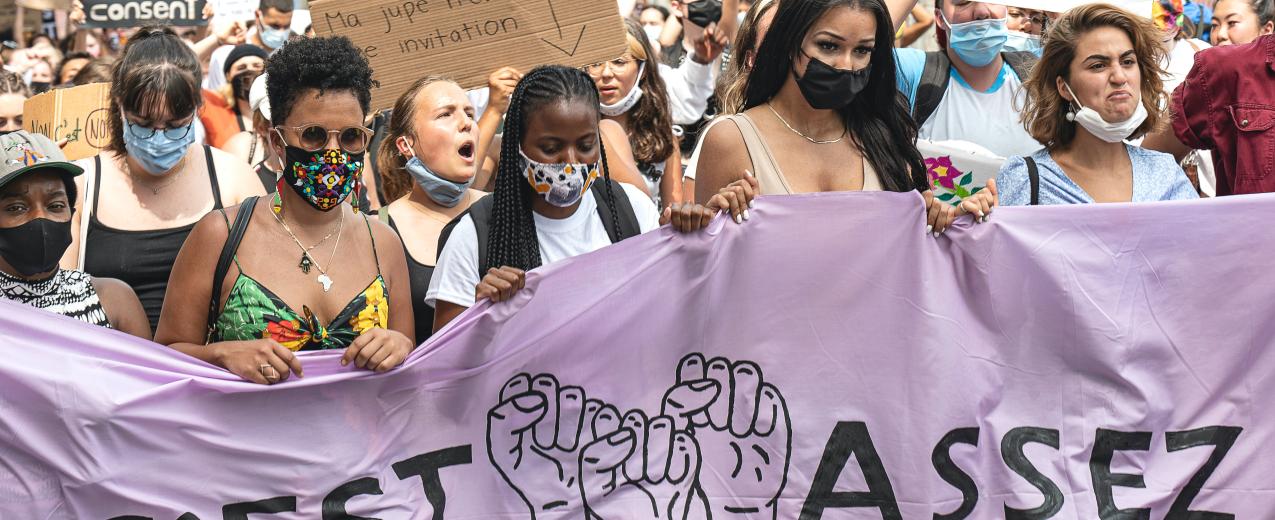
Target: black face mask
{"x": 40, "y": 87}
{"x": 242, "y": 84}
{"x": 704, "y": 12}
{"x": 35, "y": 247}
{"x": 827, "y": 88}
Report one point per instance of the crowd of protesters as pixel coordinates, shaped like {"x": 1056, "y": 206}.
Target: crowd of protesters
{"x": 251, "y": 203}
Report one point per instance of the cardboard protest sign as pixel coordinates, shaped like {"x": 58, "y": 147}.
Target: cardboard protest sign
{"x": 467, "y": 40}
{"x": 136, "y": 13}
{"x": 957, "y": 169}
{"x": 76, "y": 114}
{"x": 237, "y": 10}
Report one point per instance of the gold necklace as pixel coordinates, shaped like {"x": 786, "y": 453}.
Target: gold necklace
{"x": 804, "y": 136}
{"x": 306, "y": 259}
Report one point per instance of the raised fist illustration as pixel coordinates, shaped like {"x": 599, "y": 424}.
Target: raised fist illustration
{"x": 535, "y": 435}
{"x": 645, "y": 470}
{"x": 744, "y": 434}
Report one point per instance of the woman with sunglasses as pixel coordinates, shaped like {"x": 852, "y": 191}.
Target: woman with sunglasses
{"x": 301, "y": 269}
{"x": 155, "y": 178}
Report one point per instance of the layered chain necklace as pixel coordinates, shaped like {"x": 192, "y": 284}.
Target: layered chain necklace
{"x": 804, "y": 136}
{"x": 308, "y": 261}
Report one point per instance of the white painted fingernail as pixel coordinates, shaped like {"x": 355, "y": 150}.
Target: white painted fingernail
{"x": 751, "y": 202}
{"x": 738, "y": 219}
{"x": 937, "y": 233}
{"x": 980, "y": 213}
{"x": 745, "y": 215}
{"x": 929, "y": 229}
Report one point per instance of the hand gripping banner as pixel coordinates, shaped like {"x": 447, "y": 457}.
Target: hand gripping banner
{"x": 826, "y": 359}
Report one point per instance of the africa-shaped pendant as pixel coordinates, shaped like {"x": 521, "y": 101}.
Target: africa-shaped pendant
{"x": 325, "y": 281}
{"x": 305, "y": 263}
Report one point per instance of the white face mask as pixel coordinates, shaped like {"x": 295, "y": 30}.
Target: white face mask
{"x": 1092, "y": 121}
{"x": 629, "y": 101}
{"x": 653, "y": 33}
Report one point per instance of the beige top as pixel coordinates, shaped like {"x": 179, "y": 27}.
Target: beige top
{"x": 766, "y": 169}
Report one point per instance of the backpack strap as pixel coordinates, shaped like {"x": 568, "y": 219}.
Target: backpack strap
{"x": 932, "y": 87}
{"x": 233, "y": 239}
{"x": 1033, "y": 177}
{"x": 1021, "y": 62}
{"x": 627, "y": 227}
{"x": 480, "y": 213}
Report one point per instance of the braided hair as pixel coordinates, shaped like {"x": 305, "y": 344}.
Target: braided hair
{"x": 512, "y": 240}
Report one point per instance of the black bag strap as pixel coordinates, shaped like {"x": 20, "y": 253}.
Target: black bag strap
{"x": 932, "y": 87}
{"x": 233, "y": 239}
{"x": 628, "y": 226}
{"x": 480, "y": 213}
{"x": 1033, "y": 177}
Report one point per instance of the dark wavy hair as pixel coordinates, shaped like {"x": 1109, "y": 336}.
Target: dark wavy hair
{"x": 157, "y": 69}
{"x": 650, "y": 125}
{"x": 512, "y": 240}
{"x": 877, "y": 120}
{"x": 324, "y": 64}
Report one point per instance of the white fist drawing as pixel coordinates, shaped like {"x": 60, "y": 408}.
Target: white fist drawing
{"x": 535, "y": 435}
{"x": 645, "y": 470}
{"x": 744, "y": 434}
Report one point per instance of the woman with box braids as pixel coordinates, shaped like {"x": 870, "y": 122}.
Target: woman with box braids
{"x": 546, "y": 206}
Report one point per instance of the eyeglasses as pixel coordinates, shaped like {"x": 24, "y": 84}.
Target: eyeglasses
{"x": 596, "y": 69}
{"x": 312, "y": 138}
{"x": 146, "y": 132}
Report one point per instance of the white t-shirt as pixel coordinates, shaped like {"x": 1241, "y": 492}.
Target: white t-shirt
{"x": 456, "y": 274}
{"x": 989, "y": 119}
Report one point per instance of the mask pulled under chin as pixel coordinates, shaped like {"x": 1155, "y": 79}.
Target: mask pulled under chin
{"x": 323, "y": 178}
{"x": 36, "y": 246}
{"x": 446, "y": 193}
{"x": 629, "y": 101}
{"x": 561, "y": 184}
{"x": 1093, "y": 122}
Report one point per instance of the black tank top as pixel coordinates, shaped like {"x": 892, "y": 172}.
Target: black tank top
{"x": 269, "y": 179}
{"x": 420, "y": 275}
{"x": 142, "y": 259}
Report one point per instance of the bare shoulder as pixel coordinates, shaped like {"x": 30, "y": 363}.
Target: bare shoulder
{"x": 236, "y": 177}
{"x": 722, "y": 160}
{"x": 387, "y": 241}
{"x": 113, "y": 291}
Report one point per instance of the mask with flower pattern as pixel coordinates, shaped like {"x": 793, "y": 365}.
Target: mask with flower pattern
{"x": 323, "y": 178}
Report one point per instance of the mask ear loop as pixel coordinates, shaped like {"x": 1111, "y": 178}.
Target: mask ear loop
{"x": 1071, "y": 112}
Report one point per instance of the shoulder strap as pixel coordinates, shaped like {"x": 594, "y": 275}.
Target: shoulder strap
{"x": 627, "y": 227}
{"x": 480, "y": 213}
{"x": 765, "y": 167}
{"x": 212, "y": 176}
{"x": 932, "y": 87}
{"x": 1033, "y": 177}
{"x": 233, "y": 239}
{"x": 90, "y": 190}
{"x": 1021, "y": 62}
{"x": 372, "y": 236}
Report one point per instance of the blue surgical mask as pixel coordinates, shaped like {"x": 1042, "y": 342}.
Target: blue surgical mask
{"x": 1021, "y": 41}
{"x": 978, "y": 42}
{"x": 157, "y": 153}
{"x": 445, "y": 192}
{"x": 274, "y": 38}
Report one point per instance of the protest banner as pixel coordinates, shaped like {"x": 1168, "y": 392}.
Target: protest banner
{"x": 957, "y": 169}
{"x": 467, "y": 40}
{"x": 826, "y": 359}
{"x": 76, "y": 114}
{"x": 137, "y": 13}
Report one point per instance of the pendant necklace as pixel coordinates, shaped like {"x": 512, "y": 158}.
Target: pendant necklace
{"x": 804, "y": 136}
{"x": 306, "y": 260}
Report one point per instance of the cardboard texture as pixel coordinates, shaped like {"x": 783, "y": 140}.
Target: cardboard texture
{"x": 77, "y": 114}
{"x": 467, "y": 40}
{"x": 45, "y": 4}
{"x": 137, "y": 13}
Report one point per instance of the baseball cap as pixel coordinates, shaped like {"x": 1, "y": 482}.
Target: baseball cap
{"x": 257, "y": 98}
{"x": 22, "y": 152}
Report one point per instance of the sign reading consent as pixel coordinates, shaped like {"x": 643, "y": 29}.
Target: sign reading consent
{"x": 825, "y": 359}
{"x": 77, "y": 115}
{"x": 467, "y": 40}
{"x": 136, "y": 13}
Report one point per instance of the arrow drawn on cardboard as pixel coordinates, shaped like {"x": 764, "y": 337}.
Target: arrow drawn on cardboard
{"x": 558, "y": 25}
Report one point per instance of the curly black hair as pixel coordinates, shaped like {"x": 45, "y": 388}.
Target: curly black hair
{"x": 326, "y": 64}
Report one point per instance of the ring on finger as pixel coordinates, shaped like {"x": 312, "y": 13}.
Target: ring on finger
{"x": 268, "y": 372}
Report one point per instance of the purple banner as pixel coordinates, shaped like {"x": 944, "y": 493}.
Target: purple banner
{"x": 826, "y": 359}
